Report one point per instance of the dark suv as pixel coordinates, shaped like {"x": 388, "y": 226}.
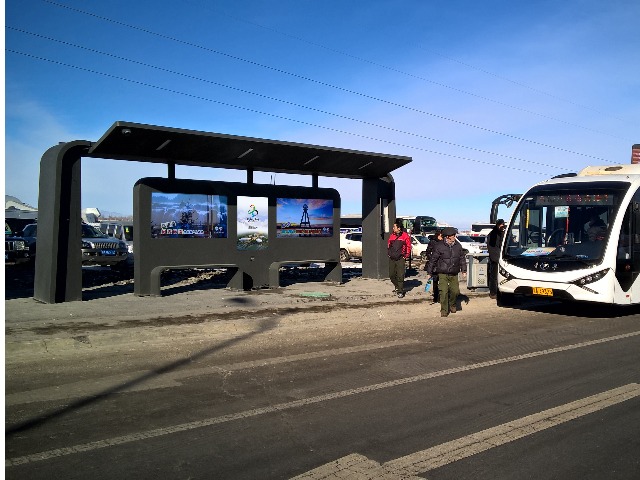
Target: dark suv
{"x": 16, "y": 249}
{"x": 97, "y": 248}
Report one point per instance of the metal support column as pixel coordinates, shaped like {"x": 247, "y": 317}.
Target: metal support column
{"x": 58, "y": 270}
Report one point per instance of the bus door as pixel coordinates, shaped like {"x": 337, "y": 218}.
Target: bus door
{"x": 628, "y": 252}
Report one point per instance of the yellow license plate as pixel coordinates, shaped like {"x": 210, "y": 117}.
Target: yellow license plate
{"x": 548, "y": 292}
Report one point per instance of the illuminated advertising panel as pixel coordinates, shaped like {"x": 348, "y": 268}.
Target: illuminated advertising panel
{"x": 253, "y": 223}
{"x": 187, "y": 215}
{"x": 304, "y": 217}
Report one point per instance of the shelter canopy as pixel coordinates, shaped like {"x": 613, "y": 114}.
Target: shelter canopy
{"x": 149, "y": 143}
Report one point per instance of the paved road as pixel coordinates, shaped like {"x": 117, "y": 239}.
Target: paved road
{"x": 380, "y": 390}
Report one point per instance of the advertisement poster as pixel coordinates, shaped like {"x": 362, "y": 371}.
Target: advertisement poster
{"x": 304, "y": 217}
{"x": 188, "y": 215}
{"x": 253, "y": 223}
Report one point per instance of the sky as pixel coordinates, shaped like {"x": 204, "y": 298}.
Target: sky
{"x": 487, "y": 98}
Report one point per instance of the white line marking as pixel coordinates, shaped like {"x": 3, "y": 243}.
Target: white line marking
{"x": 352, "y": 467}
{"x": 295, "y": 404}
{"x": 445, "y": 453}
{"x": 357, "y": 466}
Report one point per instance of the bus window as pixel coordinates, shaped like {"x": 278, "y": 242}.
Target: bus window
{"x": 624, "y": 262}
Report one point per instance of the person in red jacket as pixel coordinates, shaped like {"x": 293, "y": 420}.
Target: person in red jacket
{"x": 398, "y": 250}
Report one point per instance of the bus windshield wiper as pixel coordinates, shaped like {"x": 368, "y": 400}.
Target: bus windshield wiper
{"x": 571, "y": 258}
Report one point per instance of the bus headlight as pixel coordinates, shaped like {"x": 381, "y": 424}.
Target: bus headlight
{"x": 592, "y": 277}
{"x": 507, "y": 276}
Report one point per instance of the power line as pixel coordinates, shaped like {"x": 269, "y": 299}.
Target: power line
{"x": 533, "y": 89}
{"x": 192, "y": 77}
{"x": 440, "y": 84}
{"x": 278, "y": 70}
{"x": 226, "y": 104}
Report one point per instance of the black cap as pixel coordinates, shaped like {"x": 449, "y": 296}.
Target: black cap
{"x": 499, "y": 222}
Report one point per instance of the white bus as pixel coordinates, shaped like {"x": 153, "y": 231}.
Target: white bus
{"x": 419, "y": 224}
{"x": 575, "y": 237}
{"x": 480, "y": 230}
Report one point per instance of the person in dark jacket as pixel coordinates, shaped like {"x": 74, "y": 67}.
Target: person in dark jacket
{"x": 494, "y": 242}
{"x": 398, "y": 250}
{"x": 448, "y": 259}
{"x": 437, "y": 237}
{"x": 597, "y": 229}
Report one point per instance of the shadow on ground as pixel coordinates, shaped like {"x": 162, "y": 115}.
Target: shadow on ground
{"x": 104, "y": 282}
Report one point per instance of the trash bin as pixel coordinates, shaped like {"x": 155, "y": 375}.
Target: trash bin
{"x": 478, "y": 271}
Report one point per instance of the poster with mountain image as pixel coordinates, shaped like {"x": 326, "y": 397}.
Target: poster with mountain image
{"x": 188, "y": 215}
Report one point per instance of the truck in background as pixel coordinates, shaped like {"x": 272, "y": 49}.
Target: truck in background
{"x": 412, "y": 224}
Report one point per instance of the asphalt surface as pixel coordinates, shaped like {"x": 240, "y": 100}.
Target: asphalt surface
{"x": 315, "y": 379}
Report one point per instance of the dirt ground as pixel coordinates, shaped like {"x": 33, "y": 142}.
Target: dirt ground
{"x": 195, "y": 305}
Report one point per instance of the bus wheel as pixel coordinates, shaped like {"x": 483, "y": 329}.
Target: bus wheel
{"x": 506, "y": 299}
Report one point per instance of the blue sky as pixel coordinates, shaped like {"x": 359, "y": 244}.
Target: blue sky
{"x": 487, "y": 97}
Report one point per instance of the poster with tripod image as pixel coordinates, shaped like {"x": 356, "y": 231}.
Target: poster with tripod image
{"x": 304, "y": 217}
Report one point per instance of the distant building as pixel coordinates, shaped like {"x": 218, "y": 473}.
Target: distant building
{"x": 13, "y": 202}
{"x": 91, "y": 216}
{"x": 18, "y": 214}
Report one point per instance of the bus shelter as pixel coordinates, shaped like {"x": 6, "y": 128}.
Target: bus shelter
{"x": 249, "y": 228}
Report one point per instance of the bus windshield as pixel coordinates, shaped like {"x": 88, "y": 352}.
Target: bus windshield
{"x": 565, "y": 222}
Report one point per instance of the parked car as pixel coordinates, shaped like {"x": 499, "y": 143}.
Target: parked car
{"x": 29, "y": 235}
{"x": 350, "y": 246}
{"x": 16, "y": 248}
{"x": 97, "y": 248}
{"x": 419, "y": 244}
{"x": 471, "y": 245}
{"x": 122, "y": 231}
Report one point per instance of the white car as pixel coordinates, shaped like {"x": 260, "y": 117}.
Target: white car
{"x": 470, "y": 245}
{"x": 419, "y": 244}
{"x": 350, "y": 246}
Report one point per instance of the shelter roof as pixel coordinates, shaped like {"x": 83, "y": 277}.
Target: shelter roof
{"x": 148, "y": 143}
